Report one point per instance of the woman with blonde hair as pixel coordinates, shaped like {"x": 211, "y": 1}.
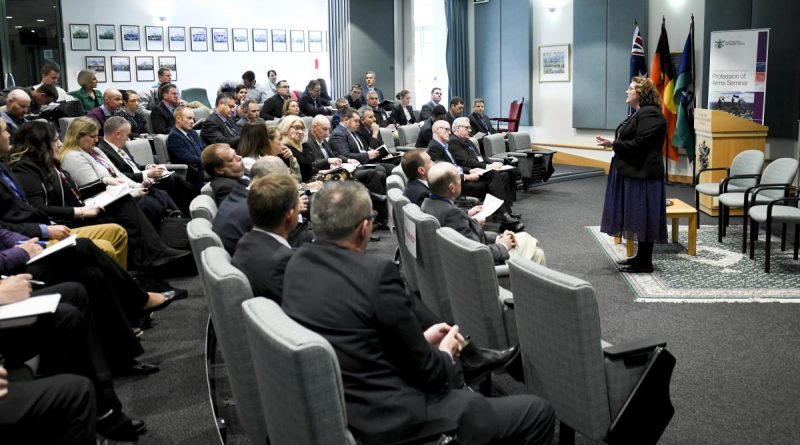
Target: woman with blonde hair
{"x": 635, "y": 201}
{"x": 89, "y": 96}
{"x": 294, "y": 130}
{"x": 291, "y": 108}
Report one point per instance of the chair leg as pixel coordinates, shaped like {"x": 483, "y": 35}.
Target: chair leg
{"x": 767, "y": 247}
{"x": 753, "y": 238}
{"x": 719, "y": 222}
{"x": 744, "y": 231}
{"x": 566, "y": 435}
{"x": 796, "y": 239}
{"x": 783, "y": 237}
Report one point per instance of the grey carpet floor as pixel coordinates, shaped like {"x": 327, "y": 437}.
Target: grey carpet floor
{"x": 736, "y": 379}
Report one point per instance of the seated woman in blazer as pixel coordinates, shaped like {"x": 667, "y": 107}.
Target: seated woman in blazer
{"x": 403, "y": 114}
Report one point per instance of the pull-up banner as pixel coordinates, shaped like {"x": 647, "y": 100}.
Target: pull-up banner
{"x": 737, "y": 72}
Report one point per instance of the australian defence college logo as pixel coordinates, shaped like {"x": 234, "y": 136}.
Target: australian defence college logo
{"x": 719, "y": 43}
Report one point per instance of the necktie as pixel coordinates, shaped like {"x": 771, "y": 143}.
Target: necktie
{"x": 449, "y": 155}
{"x": 358, "y": 142}
{"x": 324, "y": 147}
{"x": 128, "y": 160}
{"x": 12, "y": 184}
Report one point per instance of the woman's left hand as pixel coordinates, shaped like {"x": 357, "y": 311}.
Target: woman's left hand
{"x": 605, "y": 142}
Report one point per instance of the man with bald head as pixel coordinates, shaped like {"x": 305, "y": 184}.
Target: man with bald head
{"x": 445, "y": 184}
{"x": 112, "y": 101}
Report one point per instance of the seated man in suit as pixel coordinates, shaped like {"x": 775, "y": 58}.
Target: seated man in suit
{"x": 273, "y": 107}
{"x": 397, "y": 368}
{"x": 381, "y": 115}
{"x": 255, "y": 91}
{"x": 445, "y": 185}
{"x": 112, "y": 102}
{"x": 368, "y": 130}
{"x": 341, "y": 105}
{"x": 184, "y": 146}
{"x": 476, "y": 182}
{"x": 225, "y": 168}
{"x": 149, "y": 98}
{"x": 346, "y": 144}
{"x": 117, "y": 130}
{"x": 416, "y": 164}
{"x": 427, "y": 109}
{"x": 218, "y": 128}
{"x": 456, "y": 109}
{"x": 49, "y": 76}
{"x": 426, "y": 131}
{"x": 249, "y": 113}
{"x": 162, "y": 118}
{"x": 354, "y": 99}
{"x": 369, "y": 82}
{"x": 311, "y": 103}
{"x": 479, "y": 122}
{"x": 233, "y": 217}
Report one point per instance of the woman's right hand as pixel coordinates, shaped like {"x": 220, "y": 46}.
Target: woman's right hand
{"x": 286, "y": 153}
{"x": 605, "y": 142}
{"x": 90, "y": 211}
{"x": 110, "y": 180}
{"x": 334, "y": 162}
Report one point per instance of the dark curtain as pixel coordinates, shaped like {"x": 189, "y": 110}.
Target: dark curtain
{"x": 457, "y": 48}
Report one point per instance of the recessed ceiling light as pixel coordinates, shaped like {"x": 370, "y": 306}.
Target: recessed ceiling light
{"x": 9, "y": 17}
{"x": 18, "y": 26}
{"x": 39, "y": 20}
{"x": 33, "y": 30}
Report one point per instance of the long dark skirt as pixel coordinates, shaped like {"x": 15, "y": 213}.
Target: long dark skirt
{"x": 635, "y": 208}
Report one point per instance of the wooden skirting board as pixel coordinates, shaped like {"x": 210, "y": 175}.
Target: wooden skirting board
{"x": 570, "y": 159}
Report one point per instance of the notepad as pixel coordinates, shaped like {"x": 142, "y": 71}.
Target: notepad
{"x": 61, "y": 245}
{"x": 111, "y": 194}
{"x": 43, "y": 304}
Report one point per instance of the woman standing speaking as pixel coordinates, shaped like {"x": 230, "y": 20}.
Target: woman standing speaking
{"x": 635, "y": 201}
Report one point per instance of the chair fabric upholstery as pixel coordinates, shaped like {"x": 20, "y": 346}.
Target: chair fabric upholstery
{"x": 201, "y": 113}
{"x": 160, "y": 144}
{"x": 518, "y": 141}
{"x": 474, "y": 290}
{"x": 398, "y": 171}
{"x": 207, "y": 190}
{"x": 298, "y": 378}
{"x": 225, "y": 289}
{"x": 203, "y": 206}
{"x": 148, "y": 123}
{"x": 428, "y": 265}
{"x": 748, "y": 162}
{"x": 196, "y": 94}
{"x": 201, "y": 237}
{"x": 780, "y": 214}
{"x": 780, "y": 171}
{"x": 141, "y": 151}
{"x": 407, "y": 134}
{"x": 63, "y": 124}
{"x": 395, "y": 181}
{"x": 388, "y": 138}
{"x": 494, "y": 145}
{"x": 396, "y": 203}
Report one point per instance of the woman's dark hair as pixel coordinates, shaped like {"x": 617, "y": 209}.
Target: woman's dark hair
{"x": 254, "y": 140}
{"x": 33, "y": 141}
{"x": 126, "y": 95}
{"x": 402, "y": 94}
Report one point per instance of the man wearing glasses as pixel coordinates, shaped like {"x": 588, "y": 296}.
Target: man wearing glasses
{"x": 273, "y": 107}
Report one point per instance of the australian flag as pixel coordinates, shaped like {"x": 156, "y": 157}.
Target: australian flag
{"x": 638, "y": 63}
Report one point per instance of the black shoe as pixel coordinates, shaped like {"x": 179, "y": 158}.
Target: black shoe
{"x": 374, "y": 238}
{"x": 377, "y": 197}
{"x": 505, "y": 218}
{"x": 117, "y": 426}
{"x": 141, "y": 368}
{"x": 477, "y": 362}
{"x": 168, "y": 255}
{"x": 169, "y": 297}
{"x": 632, "y": 261}
{"x": 380, "y": 225}
{"x": 515, "y": 215}
{"x": 637, "y": 268}
{"x": 514, "y": 227}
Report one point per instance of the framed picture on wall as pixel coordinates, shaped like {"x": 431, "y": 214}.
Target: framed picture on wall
{"x": 171, "y": 63}
{"x": 278, "y": 40}
{"x": 79, "y": 37}
{"x": 130, "y": 37}
{"x": 554, "y": 63}
{"x": 177, "y": 38}
{"x": 199, "y": 39}
{"x": 219, "y": 39}
{"x": 106, "y": 40}
{"x": 240, "y": 39}
{"x": 315, "y": 41}
{"x": 145, "y": 69}
{"x": 98, "y": 65}
{"x": 260, "y": 40}
{"x": 120, "y": 69}
{"x": 298, "y": 40}
{"x": 155, "y": 38}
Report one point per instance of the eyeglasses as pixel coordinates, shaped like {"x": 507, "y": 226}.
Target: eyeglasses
{"x": 297, "y": 127}
{"x": 462, "y": 126}
{"x": 371, "y": 218}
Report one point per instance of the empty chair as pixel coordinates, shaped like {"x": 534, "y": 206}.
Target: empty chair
{"x": 63, "y": 124}
{"x": 203, "y": 206}
{"x": 480, "y": 306}
{"x": 160, "y": 145}
{"x": 746, "y": 166}
{"x": 201, "y": 113}
{"x": 780, "y": 172}
{"x": 196, "y": 95}
{"x": 519, "y": 141}
{"x": 779, "y": 210}
{"x": 225, "y": 288}
{"x": 514, "y": 115}
{"x": 388, "y": 139}
{"x": 407, "y": 135}
{"x": 141, "y": 150}
{"x": 494, "y": 146}
{"x": 535, "y": 165}
{"x": 619, "y": 394}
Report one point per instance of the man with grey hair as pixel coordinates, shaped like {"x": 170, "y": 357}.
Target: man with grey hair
{"x": 112, "y": 101}
{"x": 248, "y": 111}
{"x": 233, "y": 217}
{"x": 397, "y": 369}
{"x": 18, "y": 104}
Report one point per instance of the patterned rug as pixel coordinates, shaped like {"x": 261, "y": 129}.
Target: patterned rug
{"x": 719, "y": 272}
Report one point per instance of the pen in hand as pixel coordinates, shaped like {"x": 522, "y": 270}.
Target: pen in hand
{"x": 41, "y": 243}
{"x": 34, "y": 282}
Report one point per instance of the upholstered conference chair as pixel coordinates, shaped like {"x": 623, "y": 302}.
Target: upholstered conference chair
{"x": 396, "y": 203}
{"x": 203, "y": 206}
{"x": 746, "y": 166}
{"x": 780, "y": 210}
{"x": 618, "y": 394}
{"x": 407, "y": 135}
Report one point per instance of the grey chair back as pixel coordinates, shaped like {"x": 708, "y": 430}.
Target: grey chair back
{"x": 468, "y": 270}
{"x": 780, "y": 172}
{"x": 432, "y": 287}
{"x": 396, "y": 203}
{"x": 148, "y": 123}
{"x": 307, "y": 121}
{"x": 273, "y": 124}
{"x": 395, "y": 181}
{"x": 196, "y": 94}
{"x": 201, "y": 237}
{"x": 748, "y": 162}
{"x": 298, "y": 376}
{"x": 201, "y": 113}
{"x": 559, "y": 333}
{"x": 475, "y": 142}
{"x": 398, "y": 171}
{"x": 494, "y": 144}
{"x": 203, "y": 206}
{"x": 226, "y": 287}
{"x": 407, "y": 134}
{"x": 519, "y": 141}
{"x": 207, "y": 190}
{"x": 160, "y": 145}
{"x": 63, "y": 125}
{"x": 141, "y": 151}
{"x": 388, "y": 139}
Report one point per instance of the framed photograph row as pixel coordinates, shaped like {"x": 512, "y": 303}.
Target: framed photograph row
{"x": 238, "y": 39}
{"x": 121, "y": 67}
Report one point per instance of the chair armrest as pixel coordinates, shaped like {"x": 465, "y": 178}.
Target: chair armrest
{"x": 176, "y": 166}
{"x": 723, "y": 185}
{"x": 501, "y": 270}
{"x": 755, "y": 190}
{"x": 417, "y": 433}
{"x": 703, "y": 170}
{"x": 502, "y": 119}
{"x": 404, "y": 148}
{"x": 633, "y": 347}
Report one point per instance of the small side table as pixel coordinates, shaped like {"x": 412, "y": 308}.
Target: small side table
{"x": 675, "y": 212}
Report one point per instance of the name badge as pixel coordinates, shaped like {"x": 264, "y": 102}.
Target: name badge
{"x": 480, "y": 158}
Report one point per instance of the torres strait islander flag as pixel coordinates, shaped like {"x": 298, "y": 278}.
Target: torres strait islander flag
{"x": 684, "y": 98}
{"x": 662, "y": 73}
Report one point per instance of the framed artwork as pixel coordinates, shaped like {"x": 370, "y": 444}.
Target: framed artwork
{"x": 279, "y": 40}
{"x": 315, "y": 41}
{"x": 240, "y": 39}
{"x": 120, "y": 69}
{"x": 130, "y": 38}
{"x": 199, "y": 39}
{"x": 105, "y": 37}
{"x": 144, "y": 69}
{"x": 79, "y": 36}
{"x": 155, "y": 38}
{"x": 98, "y": 65}
{"x": 298, "y": 40}
{"x": 260, "y": 40}
{"x": 177, "y": 38}
{"x": 219, "y": 39}
{"x": 171, "y": 63}
{"x": 554, "y": 63}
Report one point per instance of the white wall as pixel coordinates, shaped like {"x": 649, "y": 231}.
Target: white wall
{"x": 203, "y": 69}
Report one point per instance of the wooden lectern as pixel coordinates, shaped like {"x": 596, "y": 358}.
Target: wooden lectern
{"x": 720, "y": 137}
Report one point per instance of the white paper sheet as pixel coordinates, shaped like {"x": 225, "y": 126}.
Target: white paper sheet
{"x": 490, "y": 205}
{"x": 111, "y": 194}
{"x": 63, "y": 244}
{"x": 43, "y": 304}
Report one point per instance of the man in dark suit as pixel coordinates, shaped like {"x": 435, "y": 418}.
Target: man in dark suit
{"x": 416, "y": 164}
{"x": 478, "y": 121}
{"x": 218, "y": 128}
{"x": 427, "y": 109}
{"x": 368, "y": 130}
{"x": 396, "y": 368}
{"x": 184, "y": 146}
{"x": 369, "y": 82}
{"x": 426, "y": 131}
{"x": 381, "y": 115}
{"x": 161, "y": 118}
{"x": 355, "y": 99}
{"x": 346, "y": 144}
{"x": 225, "y": 168}
{"x": 311, "y": 103}
{"x": 456, "y": 109}
{"x": 112, "y": 101}
{"x": 273, "y": 107}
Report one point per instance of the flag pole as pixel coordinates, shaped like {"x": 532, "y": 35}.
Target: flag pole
{"x": 694, "y": 97}
{"x": 666, "y": 135}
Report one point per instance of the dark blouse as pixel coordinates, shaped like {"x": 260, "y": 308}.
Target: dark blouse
{"x": 137, "y": 121}
{"x": 305, "y": 159}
